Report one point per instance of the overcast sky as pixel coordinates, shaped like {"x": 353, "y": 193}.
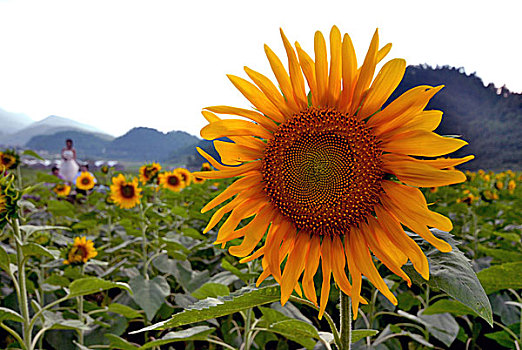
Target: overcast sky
{"x": 120, "y": 64}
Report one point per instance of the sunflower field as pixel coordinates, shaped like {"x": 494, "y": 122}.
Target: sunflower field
{"x": 126, "y": 266}
{"x": 330, "y": 220}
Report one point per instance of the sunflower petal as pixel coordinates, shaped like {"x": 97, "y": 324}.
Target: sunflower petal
{"x": 422, "y": 143}
{"x": 238, "y": 186}
{"x": 312, "y": 263}
{"x": 349, "y": 72}
{"x": 271, "y": 92}
{"x": 296, "y": 77}
{"x": 327, "y": 272}
{"x": 233, "y": 154}
{"x": 294, "y": 266}
{"x": 233, "y": 127}
{"x": 384, "y": 84}
{"x": 257, "y": 98}
{"x": 366, "y": 73}
{"x": 282, "y": 78}
{"x": 338, "y": 264}
{"x": 334, "y": 80}
{"x": 356, "y": 276}
{"x": 417, "y": 173}
{"x": 321, "y": 67}
{"x": 256, "y": 231}
{"x": 274, "y": 238}
{"x": 308, "y": 68}
{"x": 265, "y": 122}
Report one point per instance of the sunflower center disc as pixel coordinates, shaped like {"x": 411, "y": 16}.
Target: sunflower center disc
{"x": 86, "y": 181}
{"x": 173, "y": 180}
{"x": 323, "y": 170}
{"x": 127, "y": 191}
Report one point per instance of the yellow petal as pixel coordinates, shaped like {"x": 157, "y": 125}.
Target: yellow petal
{"x": 255, "y": 232}
{"x": 282, "y": 78}
{"x": 257, "y": 98}
{"x": 326, "y": 266}
{"x": 364, "y": 262}
{"x": 233, "y": 154}
{"x": 417, "y": 227}
{"x": 234, "y": 171}
{"x": 384, "y": 84}
{"x": 366, "y": 73}
{"x": 393, "y": 230}
{"x": 338, "y": 264}
{"x": 312, "y": 263}
{"x": 296, "y": 77}
{"x": 210, "y": 117}
{"x": 232, "y": 190}
{"x": 383, "y": 52}
{"x": 442, "y": 163}
{"x": 425, "y": 120}
{"x": 233, "y": 127}
{"x": 294, "y": 266}
{"x": 257, "y": 254}
{"x": 356, "y": 275}
{"x": 265, "y": 122}
{"x": 321, "y": 67}
{"x": 334, "y": 81}
{"x": 275, "y": 236}
{"x": 422, "y": 143}
{"x": 271, "y": 92}
{"x": 308, "y": 68}
{"x": 349, "y": 72}
{"x": 403, "y": 109}
{"x": 418, "y": 173}
{"x": 242, "y": 211}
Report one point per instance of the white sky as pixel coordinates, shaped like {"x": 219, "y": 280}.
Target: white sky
{"x": 120, "y": 64}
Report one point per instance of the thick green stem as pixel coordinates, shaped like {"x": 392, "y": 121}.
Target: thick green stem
{"x": 22, "y": 296}
{"x": 143, "y": 224}
{"x": 346, "y": 321}
{"x": 80, "y": 311}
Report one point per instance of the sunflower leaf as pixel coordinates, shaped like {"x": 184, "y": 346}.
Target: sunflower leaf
{"x": 90, "y": 285}
{"x": 190, "y": 334}
{"x": 245, "y": 298}
{"x": 504, "y": 276}
{"x": 452, "y": 273}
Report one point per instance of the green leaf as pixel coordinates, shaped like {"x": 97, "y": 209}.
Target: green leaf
{"x": 501, "y": 255}
{"x": 441, "y": 326}
{"x": 4, "y": 259}
{"x": 30, "y": 229}
{"x": 504, "y": 276}
{"x": 359, "y": 334}
{"x": 452, "y": 306}
{"x": 124, "y": 310}
{"x": 61, "y": 208}
{"x": 193, "y": 233}
{"x": 32, "y": 153}
{"x": 10, "y": 315}
{"x": 119, "y": 343}
{"x": 211, "y": 290}
{"x": 55, "y": 320}
{"x": 245, "y": 298}
{"x": 90, "y": 285}
{"x": 33, "y": 249}
{"x": 504, "y": 338}
{"x": 452, "y": 273}
{"x": 190, "y": 334}
{"x": 150, "y": 294}
{"x": 295, "y": 330}
{"x": 244, "y": 276}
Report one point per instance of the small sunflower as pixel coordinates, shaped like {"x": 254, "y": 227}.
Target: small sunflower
{"x": 206, "y": 167}
{"x": 85, "y": 181}
{"x": 511, "y": 186}
{"x": 9, "y": 159}
{"x": 317, "y": 169}
{"x": 62, "y": 190}
{"x": 171, "y": 180}
{"x": 126, "y": 194}
{"x": 186, "y": 176}
{"x": 104, "y": 169}
{"x": 9, "y": 197}
{"x": 149, "y": 172}
{"x": 81, "y": 251}
{"x": 499, "y": 185}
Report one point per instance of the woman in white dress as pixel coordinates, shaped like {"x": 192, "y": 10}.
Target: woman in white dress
{"x": 69, "y": 167}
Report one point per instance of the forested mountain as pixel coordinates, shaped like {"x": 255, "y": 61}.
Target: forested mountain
{"x": 489, "y": 118}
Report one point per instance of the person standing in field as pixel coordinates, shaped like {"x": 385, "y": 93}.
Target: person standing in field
{"x": 69, "y": 167}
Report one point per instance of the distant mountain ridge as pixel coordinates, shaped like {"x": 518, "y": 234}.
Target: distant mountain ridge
{"x": 47, "y": 126}
{"x": 12, "y": 122}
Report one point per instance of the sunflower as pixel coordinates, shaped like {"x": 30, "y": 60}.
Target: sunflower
{"x": 149, "y": 172}
{"x": 125, "y": 193}
{"x": 8, "y": 160}
{"x": 329, "y": 174}
{"x": 81, "y": 251}
{"x": 104, "y": 169}
{"x": 511, "y": 186}
{"x": 3, "y": 203}
{"x": 206, "y": 167}
{"x": 62, "y": 190}
{"x": 186, "y": 176}
{"x": 171, "y": 180}
{"x": 85, "y": 181}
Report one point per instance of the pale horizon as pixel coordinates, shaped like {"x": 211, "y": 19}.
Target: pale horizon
{"x": 123, "y": 64}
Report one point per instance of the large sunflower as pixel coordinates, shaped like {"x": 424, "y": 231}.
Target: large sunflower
{"x": 85, "y": 181}
{"x": 8, "y": 160}
{"x": 125, "y": 193}
{"x": 81, "y": 251}
{"x": 171, "y": 180}
{"x": 328, "y": 173}
{"x": 149, "y": 172}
